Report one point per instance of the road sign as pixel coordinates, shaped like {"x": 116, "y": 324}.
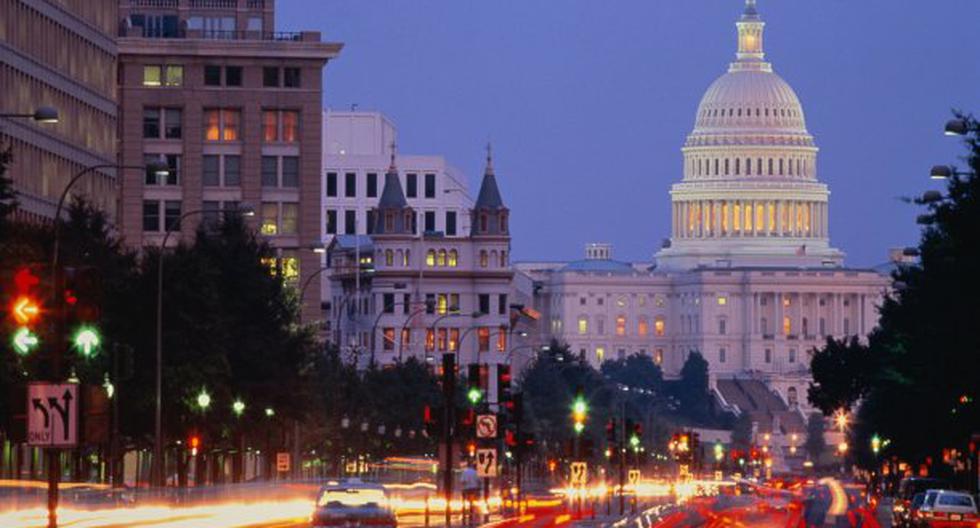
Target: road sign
{"x": 283, "y": 462}
{"x": 486, "y": 462}
{"x": 52, "y": 414}
{"x": 486, "y": 426}
{"x": 580, "y": 473}
{"x": 634, "y": 476}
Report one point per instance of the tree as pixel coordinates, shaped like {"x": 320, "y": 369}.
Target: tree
{"x": 842, "y": 371}
{"x": 815, "y": 444}
{"x": 692, "y": 388}
{"x": 635, "y": 371}
{"x": 742, "y": 432}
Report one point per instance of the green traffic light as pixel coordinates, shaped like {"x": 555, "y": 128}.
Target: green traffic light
{"x": 579, "y": 407}
{"x": 579, "y": 427}
{"x": 87, "y": 340}
{"x": 24, "y": 341}
{"x": 634, "y": 441}
{"x": 474, "y": 395}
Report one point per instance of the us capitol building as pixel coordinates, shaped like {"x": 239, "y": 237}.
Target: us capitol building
{"x": 748, "y": 277}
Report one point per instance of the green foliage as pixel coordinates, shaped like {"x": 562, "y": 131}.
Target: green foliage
{"x": 635, "y": 371}
{"x": 815, "y": 444}
{"x": 692, "y": 388}
{"x": 742, "y": 432}
{"x": 843, "y": 372}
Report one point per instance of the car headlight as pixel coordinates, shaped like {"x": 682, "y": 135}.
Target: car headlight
{"x": 899, "y": 508}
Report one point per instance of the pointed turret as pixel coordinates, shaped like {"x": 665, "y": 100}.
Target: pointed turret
{"x": 393, "y": 216}
{"x": 489, "y": 211}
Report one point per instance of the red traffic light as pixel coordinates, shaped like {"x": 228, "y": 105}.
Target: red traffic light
{"x": 24, "y": 280}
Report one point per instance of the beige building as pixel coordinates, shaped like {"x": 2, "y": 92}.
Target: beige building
{"x": 235, "y": 110}
{"x": 59, "y": 54}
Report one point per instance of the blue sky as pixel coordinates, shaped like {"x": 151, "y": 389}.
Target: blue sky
{"x": 588, "y": 102}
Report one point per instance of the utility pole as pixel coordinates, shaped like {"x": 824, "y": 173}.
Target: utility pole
{"x": 448, "y": 393}
{"x": 622, "y": 458}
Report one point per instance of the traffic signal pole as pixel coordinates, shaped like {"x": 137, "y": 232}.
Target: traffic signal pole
{"x": 622, "y": 459}
{"x": 448, "y": 394}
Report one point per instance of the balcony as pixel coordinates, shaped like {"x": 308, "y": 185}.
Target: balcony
{"x": 183, "y": 33}
{"x": 159, "y": 4}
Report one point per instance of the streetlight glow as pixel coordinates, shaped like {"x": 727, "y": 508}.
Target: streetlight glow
{"x": 204, "y": 399}
{"x": 238, "y": 407}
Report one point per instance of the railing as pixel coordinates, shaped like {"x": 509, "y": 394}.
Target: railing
{"x": 214, "y": 4}
{"x": 154, "y": 3}
{"x": 210, "y": 34}
{"x": 256, "y": 4}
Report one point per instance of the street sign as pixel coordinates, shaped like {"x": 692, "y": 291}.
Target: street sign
{"x": 486, "y": 426}
{"x": 634, "y": 476}
{"x": 52, "y": 414}
{"x": 580, "y": 473}
{"x": 486, "y": 462}
{"x": 283, "y": 462}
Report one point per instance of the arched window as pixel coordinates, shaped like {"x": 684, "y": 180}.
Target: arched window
{"x": 790, "y": 167}
{"x": 503, "y": 259}
{"x": 620, "y": 325}
{"x": 430, "y": 258}
{"x": 716, "y": 166}
{"x": 583, "y": 325}
{"x": 389, "y": 257}
{"x": 493, "y": 257}
{"x": 453, "y": 258}
{"x": 441, "y": 258}
{"x": 642, "y": 326}
{"x": 781, "y": 171}
{"x": 483, "y": 222}
{"x": 659, "y": 327}
{"x": 738, "y": 166}
{"x": 770, "y": 166}
{"x": 484, "y": 258}
{"x": 407, "y": 258}
{"x": 758, "y": 167}
{"x": 502, "y": 223}
{"x": 726, "y": 167}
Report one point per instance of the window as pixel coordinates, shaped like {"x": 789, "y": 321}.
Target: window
{"x": 209, "y": 215}
{"x": 152, "y": 76}
{"x": 805, "y": 326}
{"x": 823, "y": 326}
{"x": 372, "y": 185}
{"x": 270, "y": 126}
{"x": 722, "y": 300}
{"x": 270, "y": 168}
{"x": 350, "y": 184}
{"x": 600, "y": 353}
{"x": 659, "y": 326}
{"x": 212, "y": 75}
{"x": 453, "y": 339}
{"x": 350, "y": 222}
{"x": 430, "y": 185}
{"x": 484, "y": 258}
{"x": 332, "y": 222}
{"x": 389, "y": 339}
{"x": 454, "y": 302}
{"x": 270, "y": 77}
{"x": 233, "y": 75}
{"x": 787, "y": 325}
{"x": 620, "y": 325}
{"x": 290, "y": 171}
{"x": 847, "y": 326}
{"x": 792, "y": 355}
{"x": 643, "y": 327}
{"x": 151, "y": 216}
{"x": 430, "y": 303}
{"x": 430, "y": 221}
{"x": 792, "y": 398}
{"x": 389, "y": 302}
{"x": 600, "y": 325}
{"x": 583, "y": 325}
{"x": 222, "y": 124}
{"x": 290, "y": 77}
{"x": 332, "y": 184}
{"x": 483, "y": 333}
{"x": 453, "y": 258}
{"x": 658, "y": 356}
{"x": 581, "y": 301}
{"x": 502, "y": 339}
{"x": 430, "y": 258}
{"x": 411, "y": 185}
{"x": 502, "y": 304}
{"x": 233, "y": 171}
{"x": 151, "y": 123}
{"x": 484, "y": 300}
{"x": 270, "y": 218}
{"x": 451, "y": 223}
{"x": 764, "y": 326}
{"x": 171, "y": 215}
{"x": 210, "y": 171}
{"x": 722, "y": 326}
{"x": 172, "y": 161}
{"x": 441, "y": 339}
{"x": 172, "y": 126}
{"x": 441, "y": 258}
{"x": 768, "y": 355}
{"x": 430, "y": 340}
{"x": 721, "y": 355}
{"x": 290, "y": 126}
{"x": 290, "y": 218}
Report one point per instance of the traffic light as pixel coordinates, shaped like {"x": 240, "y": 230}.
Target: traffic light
{"x": 719, "y": 452}
{"x": 875, "y": 444}
{"x": 580, "y": 410}
{"x": 83, "y": 309}
{"x": 611, "y": 431}
{"x": 194, "y": 443}
{"x": 474, "y": 387}
{"x": 504, "y": 396}
{"x": 25, "y": 310}
{"x": 636, "y": 435}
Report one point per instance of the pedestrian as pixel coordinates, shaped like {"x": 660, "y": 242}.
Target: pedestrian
{"x": 470, "y": 481}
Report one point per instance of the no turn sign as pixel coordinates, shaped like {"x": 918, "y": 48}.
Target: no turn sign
{"x": 486, "y": 426}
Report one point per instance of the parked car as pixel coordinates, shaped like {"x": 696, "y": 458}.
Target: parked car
{"x": 948, "y": 509}
{"x": 907, "y": 489}
{"x": 353, "y": 503}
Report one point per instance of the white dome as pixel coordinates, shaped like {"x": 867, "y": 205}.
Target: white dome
{"x": 750, "y": 100}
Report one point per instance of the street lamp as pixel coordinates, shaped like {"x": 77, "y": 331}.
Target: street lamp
{"x": 203, "y": 400}
{"x": 43, "y": 114}
{"x": 156, "y": 466}
{"x": 238, "y": 407}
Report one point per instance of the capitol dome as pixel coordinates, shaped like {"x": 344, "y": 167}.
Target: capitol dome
{"x": 749, "y": 195}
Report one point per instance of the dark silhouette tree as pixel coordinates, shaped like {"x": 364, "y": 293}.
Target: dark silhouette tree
{"x": 815, "y": 444}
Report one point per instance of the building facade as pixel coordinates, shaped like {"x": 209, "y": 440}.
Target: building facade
{"x": 235, "y": 109}
{"x": 402, "y": 292}
{"x": 59, "y": 54}
{"x": 748, "y": 277}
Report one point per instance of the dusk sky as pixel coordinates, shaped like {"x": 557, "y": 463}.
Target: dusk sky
{"x": 587, "y": 102}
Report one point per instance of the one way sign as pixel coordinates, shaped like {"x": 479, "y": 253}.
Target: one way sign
{"x": 52, "y": 414}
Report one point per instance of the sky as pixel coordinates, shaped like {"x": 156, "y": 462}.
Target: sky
{"x": 587, "y": 102}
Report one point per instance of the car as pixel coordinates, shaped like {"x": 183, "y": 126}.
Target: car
{"x": 911, "y": 518}
{"x": 353, "y": 503}
{"x": 907, "y": 489}
{"x": 948, "y": 509}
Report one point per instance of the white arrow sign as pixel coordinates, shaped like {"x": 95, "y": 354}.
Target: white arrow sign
{"x": 52, "y": 414}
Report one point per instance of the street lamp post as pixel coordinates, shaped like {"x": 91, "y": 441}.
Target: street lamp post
{"x": 157, "y": 469}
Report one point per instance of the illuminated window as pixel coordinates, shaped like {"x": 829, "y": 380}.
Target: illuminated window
{"x": 290, "y": 126}
{"x": 152, "y": 76}
{"x": 173, "y": 75}
{"x": 658, "y": 356}
{"x": 212, "y": 125}
{"x": 736, "y": 217}
{"x": 290, "y": 267}
{"x": 760, "y": 215}
{"x": 484, "y": 258}
{"x": 270, "y": 126}
{"x": 408, "y": 254}
{"x": 430, "y": 258}
{"x": 442, "y": 304}
{"x": 290, "y": 216}
{"x": 453, "y": 258}
{"x": 389, "y": 339}
{"x": 786, "y": 301}
{"x": 621, "y": 325}
{"x": 430, "y": 340}
{"x": 222, "y": 124}
{"x": 453, "y": 339}
{"x": 441, "y": 339}
{"x": 724, "y": 217}
{"x": 230, "y": 125}
{"x": 441, "y": 260}
{"x": 583, "y": 325}
{"x": 389, "y": 257}
{"x": 659, "y": 326}
{"x": 483, "y": 337}
{"x": 600, "y": 353}
{"x": 722, "y": 300}
{"x": 270, "y": 218}
{"x": 406, "y": 337}
{"x": 660, "y": 301}
{"x": 787, "y": 325}
{"x": 643, "y": 327}
{"x": 748, "y": 218}
{"x": 502, "y": 339}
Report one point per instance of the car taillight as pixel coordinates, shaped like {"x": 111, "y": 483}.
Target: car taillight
{"x": 378, "y": 521}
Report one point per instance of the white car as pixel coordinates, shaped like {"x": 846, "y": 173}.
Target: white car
{"x": 945, "y": 508}
{"x": 353, "y": 503}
